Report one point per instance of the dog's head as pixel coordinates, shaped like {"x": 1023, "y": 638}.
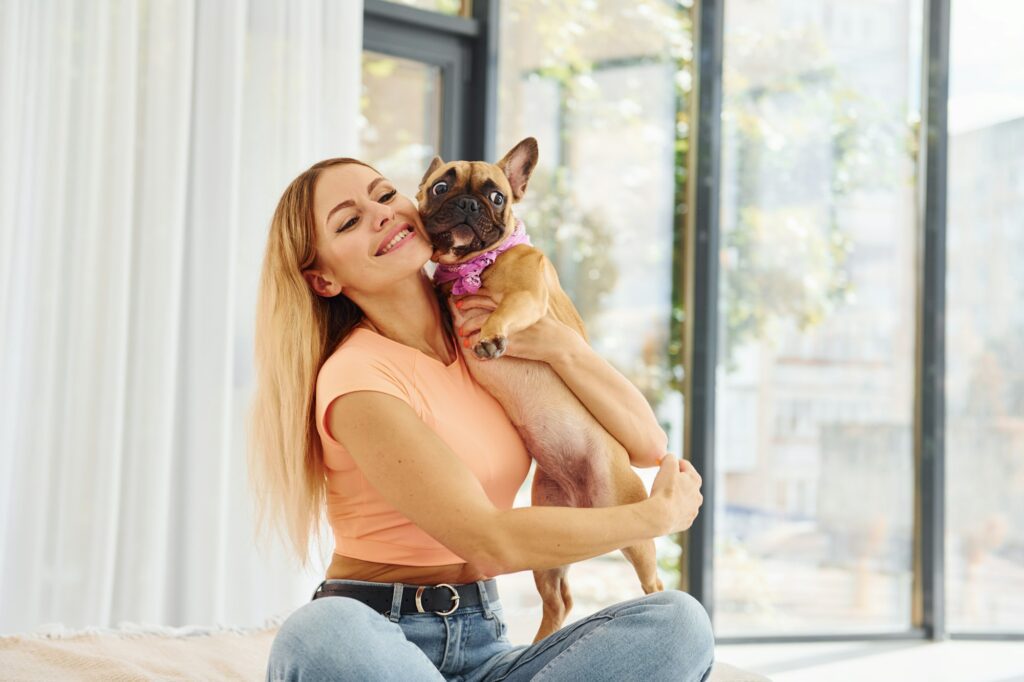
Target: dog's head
{"x": 466, "y": 206}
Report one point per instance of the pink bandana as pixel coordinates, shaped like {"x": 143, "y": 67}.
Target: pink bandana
{"x": 467, "y": 275}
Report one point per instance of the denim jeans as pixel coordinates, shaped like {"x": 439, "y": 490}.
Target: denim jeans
{"x": 659, "y": 636}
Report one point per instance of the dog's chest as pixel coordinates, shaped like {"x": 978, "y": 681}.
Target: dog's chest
{"x": 552, "y": 423}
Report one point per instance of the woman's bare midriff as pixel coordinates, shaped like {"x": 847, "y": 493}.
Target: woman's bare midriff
{"x": 359, "y": 569}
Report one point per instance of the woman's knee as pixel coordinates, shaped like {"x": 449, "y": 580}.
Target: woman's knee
{"x": 687, "y": 619}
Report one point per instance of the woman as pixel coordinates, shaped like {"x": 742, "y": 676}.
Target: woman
{"x": 364, "y": 404}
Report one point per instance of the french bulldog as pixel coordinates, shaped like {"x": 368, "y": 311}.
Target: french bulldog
{"x": 466, "y": 208}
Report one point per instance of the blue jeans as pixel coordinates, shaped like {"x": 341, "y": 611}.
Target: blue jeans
{"x": 659, "y": 636}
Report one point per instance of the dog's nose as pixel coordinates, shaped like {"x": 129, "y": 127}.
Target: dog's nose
{"x": 468, "y": 204}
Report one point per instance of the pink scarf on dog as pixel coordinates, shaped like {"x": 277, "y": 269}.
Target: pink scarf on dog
{"x": 467, "y": 275}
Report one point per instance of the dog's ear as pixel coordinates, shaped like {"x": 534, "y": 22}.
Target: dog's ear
{"x": 518, "y": 164}
{"x": 434, "y": 165}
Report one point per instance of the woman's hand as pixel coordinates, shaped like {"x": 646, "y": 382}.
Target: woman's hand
{"x": 545, "y": 340}
{"x": 677, "y": 485}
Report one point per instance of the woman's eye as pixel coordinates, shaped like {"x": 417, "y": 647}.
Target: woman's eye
{"x": 384, "y": 198}
{"x": 439, "y": 188}
{"x": 498, "y": 198}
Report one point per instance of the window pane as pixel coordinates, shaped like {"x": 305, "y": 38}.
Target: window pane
{"x": 400, "y": 126}
{"x": 815, "y": 378}
{"x": 442, "y": 6}
{"x": 985, "y": 318}
{"x": 596, "y": 83}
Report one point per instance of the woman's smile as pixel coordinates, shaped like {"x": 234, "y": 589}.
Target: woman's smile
{"x": 395, "y": 239}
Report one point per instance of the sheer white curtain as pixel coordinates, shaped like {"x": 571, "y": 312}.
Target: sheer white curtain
{"x": 143, "y": 147}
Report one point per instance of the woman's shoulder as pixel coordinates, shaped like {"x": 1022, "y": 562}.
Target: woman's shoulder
{"x": 362, "y": 362}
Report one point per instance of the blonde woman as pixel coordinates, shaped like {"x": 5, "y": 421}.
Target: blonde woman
{"x": 365, "y": 409}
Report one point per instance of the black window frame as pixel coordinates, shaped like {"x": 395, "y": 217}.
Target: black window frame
{"x": 465, "y": 50}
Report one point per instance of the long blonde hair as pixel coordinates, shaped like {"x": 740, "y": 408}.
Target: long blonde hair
{"x": 295, "y": 331}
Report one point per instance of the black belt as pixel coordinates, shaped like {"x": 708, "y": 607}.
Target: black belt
{"x": 441, "y": 599}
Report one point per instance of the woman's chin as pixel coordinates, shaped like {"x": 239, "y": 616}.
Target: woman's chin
{"x": 424, "y": 252}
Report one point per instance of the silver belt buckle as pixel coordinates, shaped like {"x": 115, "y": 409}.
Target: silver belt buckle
{"x": 455, "y": 599}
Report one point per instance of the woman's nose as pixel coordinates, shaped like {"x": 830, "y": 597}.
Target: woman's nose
{"x": 386, "y": 215}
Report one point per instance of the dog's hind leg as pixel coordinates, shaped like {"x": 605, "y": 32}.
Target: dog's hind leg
{"x": 554, "y": 592}
{"x": 645, "y": 562}
{"x": 628, "y": 488}
{"x": 551, "y": 582}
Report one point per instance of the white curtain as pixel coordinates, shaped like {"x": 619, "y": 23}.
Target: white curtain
{"x": 143, "y": 147}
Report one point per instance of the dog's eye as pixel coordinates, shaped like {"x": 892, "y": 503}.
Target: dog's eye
{"x": 497, "y": 198}
{"x": 439, "y": 188}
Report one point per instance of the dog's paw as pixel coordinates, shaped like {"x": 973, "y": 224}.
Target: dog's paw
{"x": 491, "y": 349}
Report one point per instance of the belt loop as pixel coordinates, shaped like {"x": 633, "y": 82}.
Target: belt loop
{"x": 481, "y": 586}
{"x": 396, "y": 603}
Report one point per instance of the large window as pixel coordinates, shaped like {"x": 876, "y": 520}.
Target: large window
{"x": 817, "y": 220}
{"x": 421, "y": 86}
{"x": 815, "y": 384}
{"x": 985, "y": 319}
{"x": 443, "y": 6}
{"x": 602, "y": 87}
{"x": 400, "y": 121}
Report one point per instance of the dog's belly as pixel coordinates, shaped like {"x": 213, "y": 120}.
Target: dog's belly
{"x": 562, "y": 436}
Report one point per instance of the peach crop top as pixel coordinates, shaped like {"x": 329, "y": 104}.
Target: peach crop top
{"x": 471, "y": 422}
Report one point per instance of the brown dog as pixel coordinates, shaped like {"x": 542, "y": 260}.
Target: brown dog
{"x": 466, "y": 210}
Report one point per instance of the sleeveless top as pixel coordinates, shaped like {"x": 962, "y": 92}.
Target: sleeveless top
{"x": 465, "y": 416}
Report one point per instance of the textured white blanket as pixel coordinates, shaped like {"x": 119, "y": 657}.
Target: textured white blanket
{"x": 138, "y": 652}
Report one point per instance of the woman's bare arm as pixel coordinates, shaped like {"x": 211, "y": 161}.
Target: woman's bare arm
{"x": 614, "y": 401}
{"x": 417, "y": 473}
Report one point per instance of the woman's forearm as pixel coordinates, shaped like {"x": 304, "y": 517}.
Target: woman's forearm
{"x": 535, "y": 538}
{"x": 613, "y": 400}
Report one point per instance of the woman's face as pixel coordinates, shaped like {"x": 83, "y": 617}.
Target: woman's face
{"x": 368, "y": 235}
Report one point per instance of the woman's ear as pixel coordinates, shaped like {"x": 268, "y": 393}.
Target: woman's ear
{"x": 320, "y": 285}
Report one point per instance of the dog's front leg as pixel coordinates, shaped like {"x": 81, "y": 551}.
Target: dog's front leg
{"x": 517, "y": 310}
{"x": 519, "y": 276}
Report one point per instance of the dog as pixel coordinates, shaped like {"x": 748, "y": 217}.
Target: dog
{"x": 477, "y": 241}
